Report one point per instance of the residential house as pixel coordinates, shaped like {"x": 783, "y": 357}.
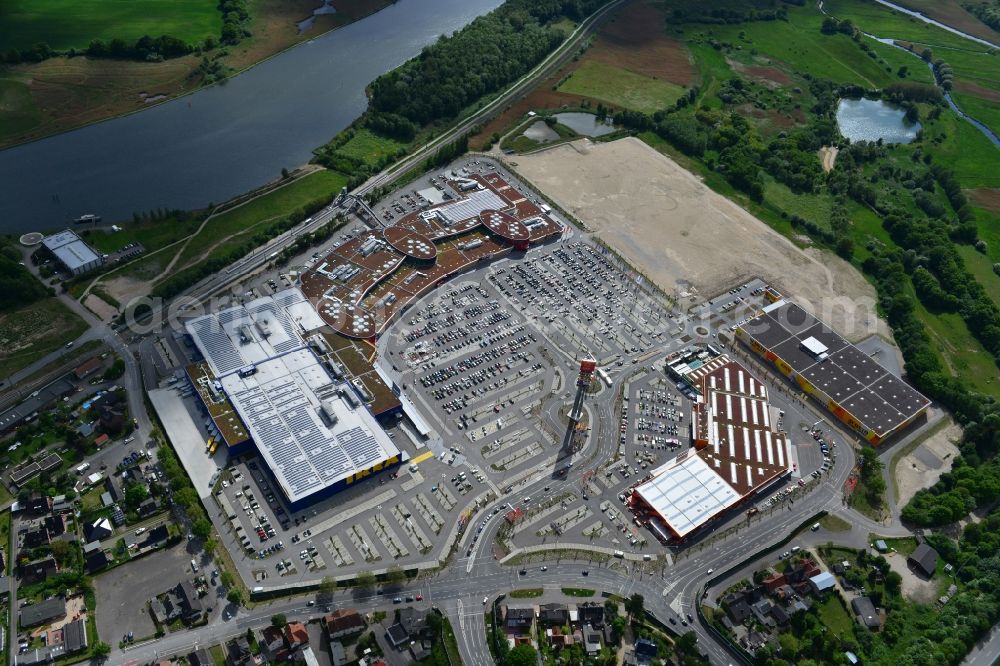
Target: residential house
{"x": 44, "y": 612}
{"x": 397, "y": 636}
{"x": 591, "y": 640}
{"x": 822, "y": 582}
{"x": 201, "y": 657}
{"x": 38, "y": 504}
{"x": 98, "y": 530}
{"x": 88, "y": 367}
{"x": 591, "y": 613}
{"x": 308, "y": 656}
{"x": 75, "y": 636}
{"x": 296, "y": 636}
{"x": 238, "y": 652}
{"x": 338, "y": 655}
{"x": 35, "y": 535}
{"x": 780, "y": 615}
{"x": 553, "y": 614}
{"x": 191, "y": 606}
{"x": 61, "y": 505}
{"x": 96, "y": 561}
{"x": 557, "y": 639}
{"x": 645, "y": 650}
{"x": 924, "y": 559}
{"x": 518, "y": 616}
{"x": 774, "y": 581}
{"x": 38, "y": 570}
{"x": 147, "y": 507}
{"x": 739, "y": 611}
{"x": 866, "y": 614}
{"x": 343, "y": 622}
{"x": 273, "y": 643}
{"x": 101, "y": 440}
{"x": 414, "y": 622}
{"x": 762, "y": 611}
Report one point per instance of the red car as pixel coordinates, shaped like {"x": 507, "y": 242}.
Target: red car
{"x": 419, "y": 597}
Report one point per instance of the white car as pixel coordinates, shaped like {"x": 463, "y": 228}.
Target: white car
{"x": 140, "y": 531}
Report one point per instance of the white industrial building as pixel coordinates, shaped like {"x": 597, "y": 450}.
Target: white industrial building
{"x": 72, "y": 253}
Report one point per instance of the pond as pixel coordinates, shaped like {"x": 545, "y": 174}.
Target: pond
{"x": 585, "y": 124}
{"x": 541, "y": 132}
{"x": 871, "y": 120}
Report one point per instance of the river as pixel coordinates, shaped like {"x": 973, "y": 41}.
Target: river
{"x": 224, "y": 140}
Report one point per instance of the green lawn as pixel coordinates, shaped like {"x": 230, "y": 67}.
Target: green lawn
{"x": 370, "y": 148}
{"x": 234, "y": 225}
{"x": 621, "y": 87}
{"x": 65, "y": 24}
{"x": 833, "y": 615}
{"x": 152, "y": 235}
{"x": 965, "y": 151}
{"x": 19, "y": 111}
{"x": 577, "y": 592}
{"x": 31, "y": 332}
{"x": 986, "y": 112}
{"x": 813, "y": 207}
{"x": 832, "y": 523}
{"x": 526, "y": 593}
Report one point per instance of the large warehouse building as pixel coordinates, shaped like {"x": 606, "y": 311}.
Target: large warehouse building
{"x": 853, "y": 387}
{"x": 737, "y": 453}
{"x": 314, "y": 434}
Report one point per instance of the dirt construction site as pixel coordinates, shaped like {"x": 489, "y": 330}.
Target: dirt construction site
{"x": 688, "y": 239}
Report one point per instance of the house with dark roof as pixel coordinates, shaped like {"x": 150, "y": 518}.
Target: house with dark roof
{"x": 343, "y": 622}
{"x": 35, "y": 535}
{"x": 780, "y": 615}
{"x": 156, "y": 537}
{"x": 413, "y": 621}
{"x": 147, "y": 507}
{"x": 98, "y": 530}
{"x": 38, "y": 570}
{"x": 518, "y": 616}
{"x": 95, "y": 561}
{"x": 44, "y": 612}
{"x": 924, "y": 559}
{"x": 75, "y": 636}
{"x": 238, "y": 652}
{"x": 397, "y": 636}
{"x": 866, "y": 613}
{"x": 739, "y": 611}
{"x": 645, "y": 650}
{"x": 591, "y": 613}
{"x": 38, "y": 504}
{"x": 201, "y": 657}
{"x": 191, "y": 606}
{"x": 553, "y": 613}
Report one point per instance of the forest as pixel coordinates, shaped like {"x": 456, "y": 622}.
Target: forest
{"x": 18, "y": 287}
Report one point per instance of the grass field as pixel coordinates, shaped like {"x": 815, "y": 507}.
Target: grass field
{"x": 31, "y": 332}
{"x": 153, "y": 235}
{"x": 231, "y": 227}
{"x": 369, "y": 147}
{"x": 621, "y": 87}
{"x": 981, "y": 268}
{"x": 66, "y": 24}
{"x": 19, "y": 113}
{"x": 886, "y": 22}
{"x": 951, "y": 12}
{"x": 834, "y": 617}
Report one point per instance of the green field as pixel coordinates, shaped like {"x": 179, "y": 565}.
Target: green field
{"x": 883, "y": 21}
{"x": 31, "y": 332}
{"x": 370, "y": 148}
{"x": 232, "y": 227}
{"x": 833, "y": 57}
{"x": 153, "y": 235}
{"x": 19, "y": 111}
{"x": 621, "y": 87}
{"x": 66, "y": 24}
{"x": 834, "y": 617}
{"x": 982, "y": 268}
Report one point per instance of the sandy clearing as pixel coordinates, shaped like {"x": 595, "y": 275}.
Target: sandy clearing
{"x": 988, "y": 198}
{"x": 100, "y": 307}
{"x": 913, "y": 586}
{"x": 687, "y": 238}
{"x": 924, "y": 465}
{"x": 828, "y": 157}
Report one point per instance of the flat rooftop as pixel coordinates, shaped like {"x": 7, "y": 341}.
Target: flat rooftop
{"x": 874, "y": 396}
{"x": 687, "y": 493}
{"x": 70, "y": 249}
{"x": 737, "y": 452}
{"x": 312, "y": 432}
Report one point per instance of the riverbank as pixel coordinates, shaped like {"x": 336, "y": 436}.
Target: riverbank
{"x": 63, "y": 94}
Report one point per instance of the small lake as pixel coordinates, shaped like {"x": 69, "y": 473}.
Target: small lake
{"x": 585, "y": 124}
{"x": 871, "y": 120}
{"x": 540, "y": 132}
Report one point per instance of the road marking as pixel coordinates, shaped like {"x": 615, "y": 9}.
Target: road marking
{"x": 422, "y": 457}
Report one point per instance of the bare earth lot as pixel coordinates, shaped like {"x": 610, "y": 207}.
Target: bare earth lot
{"x": 686, "y": 237}
{"x": 922, "y": 467}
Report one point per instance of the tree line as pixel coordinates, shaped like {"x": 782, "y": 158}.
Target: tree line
{"x": 478, "y": 60}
